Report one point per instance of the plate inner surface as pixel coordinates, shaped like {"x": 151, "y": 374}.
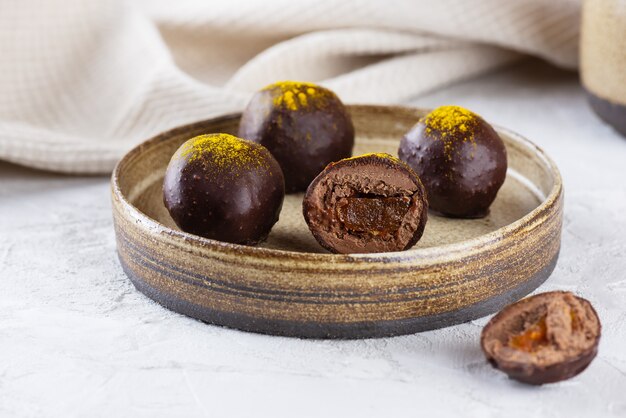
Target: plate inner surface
{"x": 520, "y": 194}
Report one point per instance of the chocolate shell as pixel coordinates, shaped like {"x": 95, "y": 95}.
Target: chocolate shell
{"x": 545, "y": 338}
{"x": 367, "y": 204}
{"x": 224, "y": 188}
{"x": 303, "y": 125}
{"x": 460, "y": 159}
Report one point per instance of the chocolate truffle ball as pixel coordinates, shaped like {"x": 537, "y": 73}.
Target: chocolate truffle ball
{"x": 304, "y": 126}
{"x": 545, "y": 338}
{"x": 367, "y": 204}
{"x": 460, "y": 159}
{"x": 224, "y": 188}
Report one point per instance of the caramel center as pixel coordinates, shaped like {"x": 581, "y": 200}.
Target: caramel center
{"x": 532, "y": 338}
{"x": 376, "y": 215}
{"x": 536, "y": 336}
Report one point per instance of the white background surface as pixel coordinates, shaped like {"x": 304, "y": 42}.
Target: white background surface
{"x": 76, "y": 339}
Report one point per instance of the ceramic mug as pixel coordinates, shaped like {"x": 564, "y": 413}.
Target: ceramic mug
{"x": 603, "y": 59}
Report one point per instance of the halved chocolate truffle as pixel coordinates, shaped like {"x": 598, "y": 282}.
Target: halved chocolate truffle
{"x": 545, "y": 338}
{"x": 303, "y": 125}
{"x": 224, "y": 188}
{"x": 460, "y": 159}
{"x": 367, "y": 204}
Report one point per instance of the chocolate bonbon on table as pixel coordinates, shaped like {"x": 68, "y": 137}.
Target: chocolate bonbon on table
{"x": 303, "y": 125}
{"x": 366, "y": 204}
{"x": 545, "y": 338}
{"x": 225, "y": 188}
{"x": 460, "y": 159}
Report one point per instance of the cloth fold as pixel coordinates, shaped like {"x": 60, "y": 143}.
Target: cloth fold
{"x": 82, "y": 82}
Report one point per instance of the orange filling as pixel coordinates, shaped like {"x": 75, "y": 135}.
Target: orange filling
{"x": 536, "y": 336}
{"x": 532, "y": 338}
{"x": 575, "y": 320}
{"x": 373, "y": 215}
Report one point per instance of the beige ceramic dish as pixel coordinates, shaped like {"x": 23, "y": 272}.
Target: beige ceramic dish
{"x": 460, "y": 270}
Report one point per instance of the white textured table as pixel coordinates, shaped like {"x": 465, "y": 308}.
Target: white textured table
{"x": 76, "y": 339}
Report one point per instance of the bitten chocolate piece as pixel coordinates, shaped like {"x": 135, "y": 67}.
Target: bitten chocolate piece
{"x": 460, "y": 159}
{"x": 224, "y": 188}
{"x": 367, "y": 204}
{"x": 545, "y": 338}
{"x": 303, "y": 125}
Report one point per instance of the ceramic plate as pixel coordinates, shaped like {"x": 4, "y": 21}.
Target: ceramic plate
{"x": 459, "y": 271}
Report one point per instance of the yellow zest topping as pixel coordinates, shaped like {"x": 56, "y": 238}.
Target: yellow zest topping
{"x": 452, "y": 124}
{"x": 373, "y": 154}
{"x": 296, "y": 95}
{"x": 224, "y": 151}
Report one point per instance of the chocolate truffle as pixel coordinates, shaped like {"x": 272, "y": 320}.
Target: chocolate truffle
{"x": 304, "y": 126}
{"x": 224, "y": 188}
{"x": 460, "y": 159}
{"x": 367, "y": 204}
{"x": 545, "y": 338}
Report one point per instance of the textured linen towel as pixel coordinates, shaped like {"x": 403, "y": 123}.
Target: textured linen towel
{"x": 83, "y": 81}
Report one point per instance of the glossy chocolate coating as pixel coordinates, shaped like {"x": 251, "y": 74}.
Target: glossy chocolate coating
{"x": 545, "y": 338}
{"x": 460, "y": 159}
{"x": 224, "y": 188}
{"x": 303, "y": 125}
{"x": 367, "y": 204}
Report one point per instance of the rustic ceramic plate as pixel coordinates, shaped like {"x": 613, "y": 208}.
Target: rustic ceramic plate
{"x": 460, "y": 270}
